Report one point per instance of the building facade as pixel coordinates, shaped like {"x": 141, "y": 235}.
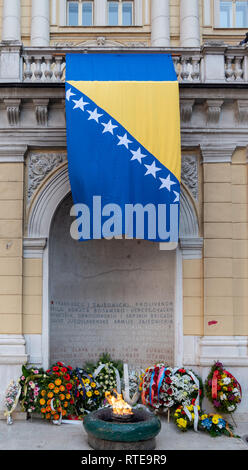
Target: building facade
{"x": 211, "y": 262}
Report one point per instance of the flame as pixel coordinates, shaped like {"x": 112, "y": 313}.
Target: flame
{"x": 120, "y": 407}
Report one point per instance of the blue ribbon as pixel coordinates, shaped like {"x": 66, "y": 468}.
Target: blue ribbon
{"x": 161, "y": 380}
{"x": 151, "y": 383}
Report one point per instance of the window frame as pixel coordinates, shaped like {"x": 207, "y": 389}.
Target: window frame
{"x": 120, "y": 13}
{"x": 217, "y": 23}
{"x": 80, "y": 13}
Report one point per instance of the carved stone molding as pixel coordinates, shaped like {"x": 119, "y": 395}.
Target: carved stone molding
{"x": 242, "y": 110}
{"x": 41, "y": 111}
{"x": 191, "y": 247}
{"x": 13, "y": 111}
{"x": 39, "y": 166}
{"x": 190, "y": 173}
{"x": 214, "y": 154}
{"x": 101, "y": 41}
{"x": 213, "y": 108}
{"x": 12, "y": 153}
{"x": 34, "y": 247}
{"x": 186, "y": 107}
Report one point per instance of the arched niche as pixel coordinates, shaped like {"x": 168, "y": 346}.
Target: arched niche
{"x": 42, "y": 211}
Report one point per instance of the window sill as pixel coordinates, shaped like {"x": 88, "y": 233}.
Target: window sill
{"x": 242, "y": 30}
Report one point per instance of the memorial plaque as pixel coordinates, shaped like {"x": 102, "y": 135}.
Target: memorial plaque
{"x": 112, "y": 296}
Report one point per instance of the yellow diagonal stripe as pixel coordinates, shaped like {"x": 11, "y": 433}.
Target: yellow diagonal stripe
{"x": 148, "y": 110}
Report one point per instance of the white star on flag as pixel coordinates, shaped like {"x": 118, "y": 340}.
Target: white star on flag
{"x": 108, "y": 127}
{"x": 94, "y": 115}
{"x": 80, "y": 104}
{"x": 69, "y": 94}
{"x": 124, "y": 140}
{"x": 166, "y": 183}
{"x": 177, "y": 196}
{"x": 152, "y": 170}
{"x": 137, "y": 155}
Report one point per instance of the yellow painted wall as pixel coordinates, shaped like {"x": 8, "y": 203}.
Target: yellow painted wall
{"x": 193, "y": 297}
{"x": 226, "y": 247}
{"x": 26, "y": 20}
{"x": 11, "y": 223}
{"x": 32, "y": 296}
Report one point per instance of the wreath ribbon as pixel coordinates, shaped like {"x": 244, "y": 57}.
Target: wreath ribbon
{"x": 161, "y": 378}
{"x": 158, "y": 382}
{"x": 57, "y": 421}
{"x": 151, "y": 391}
{"x": 215, "y": 383}
{"x": 126, "y": 392}
{"x": 79, "y": 376}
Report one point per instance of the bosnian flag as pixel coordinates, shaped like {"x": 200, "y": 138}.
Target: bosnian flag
{"x": 123, "y": 140}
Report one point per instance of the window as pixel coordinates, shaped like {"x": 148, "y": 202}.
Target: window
{"x": 120, "y": 13}
{"x": 79, "y": 13}
{"x": 233, "y": 14}
{"x": 241, "y": 14}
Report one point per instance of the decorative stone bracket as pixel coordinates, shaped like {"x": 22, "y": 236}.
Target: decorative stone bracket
{"x": 13, "y": 111}
{"x": 213, "y": 108}
{"x": 186, "y": 109}
{"x": 242, "y": 110}
{"x": 41, "y": 111}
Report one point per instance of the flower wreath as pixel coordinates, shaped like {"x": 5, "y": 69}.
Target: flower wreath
{"x": 31, "y": 381}
{"x": 213, "y": 424}
{"x": 56, "y": 400}
{"x": 11, "y": 399}
{"x": 222, "y": 389}
{"x": 164, "y": 387}
{"x": 88, "y": 394}
{"x": 157, "y": 391}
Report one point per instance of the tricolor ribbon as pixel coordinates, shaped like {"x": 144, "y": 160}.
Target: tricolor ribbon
{"x": 158, "y": 382}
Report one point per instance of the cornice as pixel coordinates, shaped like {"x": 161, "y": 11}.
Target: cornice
{"x": 217, "y": 154}
{"x": 12, "y": 153}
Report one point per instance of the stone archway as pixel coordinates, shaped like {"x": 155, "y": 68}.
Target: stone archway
{"x": 41, "y": 213}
